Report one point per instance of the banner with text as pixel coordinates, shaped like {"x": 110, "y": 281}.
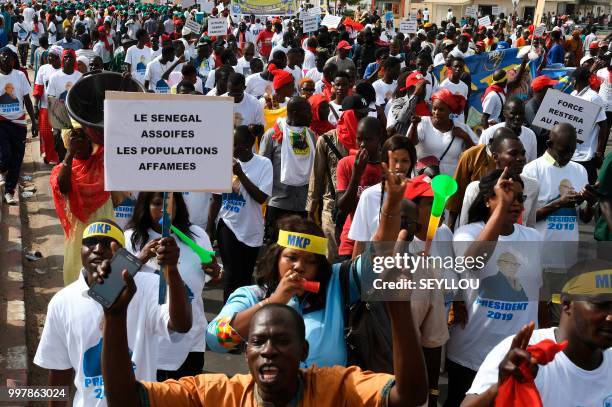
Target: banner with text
{"x": 156, "y": 142}
{"x": 217, "y": 26}
{"x": 264, "y": 7}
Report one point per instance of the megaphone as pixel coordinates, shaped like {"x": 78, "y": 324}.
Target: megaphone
{"x": 85, "y": 99}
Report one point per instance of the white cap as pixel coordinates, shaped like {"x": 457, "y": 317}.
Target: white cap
{"x": 185, "y": 31}
{"x": 422, "y": 32}
{"x": 586, "y": 58}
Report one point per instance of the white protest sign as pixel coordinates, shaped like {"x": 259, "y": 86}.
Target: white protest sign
{"x": 539, "y": 31}
{"x": 486, "y": 21}
{"x": 471, "y": 11}
{"x": 413, "y": 14}
{"x": 207, "y": 6}
{"x": 193, "y": 26}
{"x": 495, "y": 10}
{"x": 164, "y": 142}
{"x": 315, "y": 11}
{"x": 309, "y": 22}
{"x": 217, "y": 26}
{"x": 331, "y": 21}
{"x": 558, "y": 107}
{"x": 187, "y": 3}
{"x": 408, "y": 26}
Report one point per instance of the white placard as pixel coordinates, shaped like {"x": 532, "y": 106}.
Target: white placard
{"x": 408, "y": 26}
{"x": 331, "y": 21}
{"x": 164, "y": 142}
{"x": 486, "y": 21}
{"x": 413, "y": 14}
{"x": 471, "y": 11}
{"x": 539, "y": 31}
{"x": 315, "y": 11}
{"x": 495, "y": 10}
{"x": 193, "y": 26}
{"x": 217, "y": 26}
{"x": 309, "y": 22}
{"x": 207, "y": 6}
{"x": 558, "y": 107}
{"x": 187, "y": 3}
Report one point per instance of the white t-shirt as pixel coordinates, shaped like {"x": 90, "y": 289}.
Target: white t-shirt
{"x": 243, "y": 66}
{"x": 279, "y": 47}
{"x": 331, "y": 118}
{"x": 493, "y": 105}
{"x": 123, "y": 213}
{"x": 456, "y": 52}
{"x": 72, "y": 336}
{"x": 297, "y": 74}
{"x": 100, "y": 50}
{"x": 531, "y": 190}
{"x": 60, "y": 83}
{"x": 52, "y": 32}
{"x": 13, "y": 88}
{"x": 560, "y": 382}
{"x": 605, "y": 90}
{"x": 21, "y": 30}
{"x": 205, "y": 67}
{"x": 458, "y": 89}
{"x": 309, "y": 60}
{"x": 28, "y": 15}
{"x": 315, "y": 75}
{"x": 138, "y": 60}
{"x": 433, "y": 142}
{"x": 527, "y": 137}
{"x": 384, "y": 91}
{"x": 438, "y": 59}
{"x": 239, "y": 211}
{"x": 501, "y": 305}
{"x": 36, "y": 35}
{"x": 561, "y": 226}
{"x": 172, "y": 355}
{"x": 586, "y": 150}
{"x": 257, "y": 86}
{"x": 197, "y": 205}
{"x": 42, "y": 78}
{"x": 153, "y": 74}
{"x": 248, "y": 111}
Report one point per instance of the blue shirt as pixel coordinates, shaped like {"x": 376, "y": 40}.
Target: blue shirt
{"x": 555, "y": 54}
{"x": 73, "y": 44}
{"x": 370, "y": 69}
{"x": 324, "y": 327}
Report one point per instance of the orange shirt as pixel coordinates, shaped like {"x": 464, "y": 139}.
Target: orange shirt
{"x": 520, "y": 42}
{"x": 323, "y": 387}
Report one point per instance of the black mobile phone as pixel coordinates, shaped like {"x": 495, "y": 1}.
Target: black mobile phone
{"x": 107, "y": 293}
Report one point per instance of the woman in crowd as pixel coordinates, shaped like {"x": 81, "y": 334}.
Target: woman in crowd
{"x": 280, "y": 277}
{"x": 510, "y": 278}
{"x": 439, "y": 136}
{"x": 320, "y": 114}
{"x": 77, "y": 184}
{"x": 184, "y": 358}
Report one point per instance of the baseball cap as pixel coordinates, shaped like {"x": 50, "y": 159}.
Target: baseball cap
{"x": 586, "y": 58}
{"x": 594, "y": 45}
{"x": 414, "y": 78}
{"x": 355, "y": 102}
{"x": 503, "y": 45}
{"x": 204, "y": 41}
{"x": 418, "y": 187}
{"x": 344, "y": 45}
{"x": 541, "y": 82}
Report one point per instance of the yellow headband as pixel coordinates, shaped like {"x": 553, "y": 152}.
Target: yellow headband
{"x": 588, "y": 285}
{"x": 302, "y": 241}
{"x": 104, "y": 229}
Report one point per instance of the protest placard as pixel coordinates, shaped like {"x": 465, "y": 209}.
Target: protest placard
{"x": 309, "y": 22}
{"x": 471, "y": 11}
{"x": 486, "y": 21}
{"x": 207, "y": 6}
{"x": 164, "y": 142}
{"x": 413, "y": 14}
{"x": 187, "y": 3}
{"x": 408, "y": 26}
{"x": 195, "y": 28}
{"x": 495, "y": 10}
{"x": 315, "y": 11}
{"x": 331, "y": 21}
{"x": 217, "y": 26}
{"x": 558, "y": 107}
{"x": 539, "y": 31}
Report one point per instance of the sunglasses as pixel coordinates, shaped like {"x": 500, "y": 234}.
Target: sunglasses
{"x": 93, "y": 241}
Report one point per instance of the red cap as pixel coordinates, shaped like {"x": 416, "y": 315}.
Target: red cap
{"x": 414, "y": 78}
{"x": 344, "y": 45}
{"x": 594, "y": 45}
{"x": 419, "y": 186}
{"x": 480, "y": 44}
{"x": 541, "y": 82}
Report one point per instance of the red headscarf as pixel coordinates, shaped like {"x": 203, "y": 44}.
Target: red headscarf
{"x": 281, "y": 77}
{"x": 87, "y": 192}
{"x": 513, "y": 393}
{"x": 456, "y": 103}
{"x": 102, "y": 35}
{"x": 347, "y": 130}
{"x": 70, "y": 51}
{"x": 319, "y": 125}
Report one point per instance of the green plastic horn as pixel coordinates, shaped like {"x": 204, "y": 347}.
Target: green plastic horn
{"x": 204, "y": 255}
{"x": 444, "y": 186}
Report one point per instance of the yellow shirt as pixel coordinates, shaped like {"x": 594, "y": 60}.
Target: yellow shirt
{"x": 323, "y": 387}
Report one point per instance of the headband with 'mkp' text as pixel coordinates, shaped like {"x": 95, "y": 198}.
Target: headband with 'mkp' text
{"x": 302, "y": 241}
{"x": 106, "y": 230}
{"x": 586, "y": 286}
